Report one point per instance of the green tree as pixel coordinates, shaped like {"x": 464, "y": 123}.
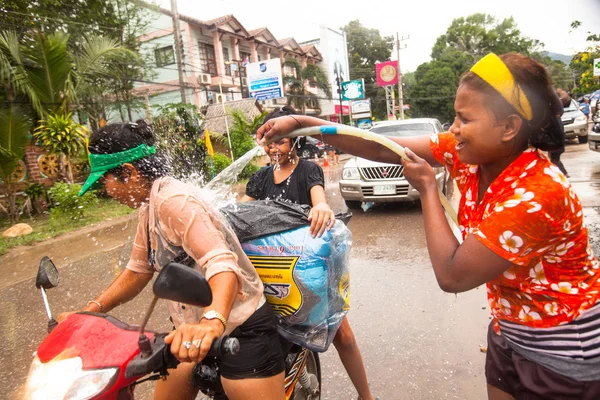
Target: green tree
{"x": 582, "y": 63}
{"x": 59, "y": 134}
{"x": 466, "y": 40}
{"x": 14, "y": 130}
{"x": 296, "y": 84}
{"x": 366, "y": 47}
{"x": 49, "y": 73}
{"x": 241, "y": 133}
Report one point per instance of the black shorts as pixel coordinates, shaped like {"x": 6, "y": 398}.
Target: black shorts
{"x": 524, "y": 379}
{"x": 260, "y": 355}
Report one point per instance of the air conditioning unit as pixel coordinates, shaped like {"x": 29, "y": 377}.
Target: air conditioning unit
{"x": 204, "y": 79}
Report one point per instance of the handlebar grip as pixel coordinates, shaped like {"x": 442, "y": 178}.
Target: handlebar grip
{"x": 223, "y": 346}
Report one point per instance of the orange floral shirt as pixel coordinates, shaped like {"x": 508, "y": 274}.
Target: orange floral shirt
{"x": 531, "y": 216}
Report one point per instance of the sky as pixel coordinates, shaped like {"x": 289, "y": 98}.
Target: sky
{"x": 422, "y": 21}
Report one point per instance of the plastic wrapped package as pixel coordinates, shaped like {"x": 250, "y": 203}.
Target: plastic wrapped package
{"x": 306, "y": 280}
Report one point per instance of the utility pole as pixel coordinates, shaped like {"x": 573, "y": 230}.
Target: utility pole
{"x": 338, "y": 81}
{"x": 178, "y": 49}
{"x": 400, "y": 95}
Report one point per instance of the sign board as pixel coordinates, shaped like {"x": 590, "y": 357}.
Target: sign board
{"x": 362, "y": 115}
{"x": 345, "y": 109}
{"x": 353, "y": 90}
{"x": 365, "y": 123}
{"x": 596, "y": 66}
{"x": 361, "y": 106}
{"x": 264, "y": 79}
{"x": 387, "y": 73}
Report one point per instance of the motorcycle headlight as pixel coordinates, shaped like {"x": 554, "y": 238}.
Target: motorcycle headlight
{"x": 350, "y": 173}
{"x": 65, "y": 379}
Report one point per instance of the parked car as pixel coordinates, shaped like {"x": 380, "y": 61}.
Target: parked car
{"x": 311, "y": 147}
{"x": 575, "y": 123}
{"x": 364, "y": 180}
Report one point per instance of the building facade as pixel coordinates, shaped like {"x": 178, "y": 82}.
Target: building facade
{"x": 214, "y": 54}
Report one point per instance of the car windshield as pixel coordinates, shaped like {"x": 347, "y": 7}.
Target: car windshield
{"x": 572, "y": 106}
{"x": 404, "y": 130}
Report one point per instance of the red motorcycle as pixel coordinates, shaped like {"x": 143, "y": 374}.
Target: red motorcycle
{"x": 96, "y": 356}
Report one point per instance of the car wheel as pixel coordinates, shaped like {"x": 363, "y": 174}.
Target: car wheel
{"x": 352, "y": 204}
{"x": 582, "y": 139}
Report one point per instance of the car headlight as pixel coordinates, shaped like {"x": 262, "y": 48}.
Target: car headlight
{"x": 350, "y": 173}
{"x": 65, "y": 379}
{"x": 581, "y": 118}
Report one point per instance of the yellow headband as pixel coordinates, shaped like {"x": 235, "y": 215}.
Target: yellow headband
{"x": 492, "y": 70}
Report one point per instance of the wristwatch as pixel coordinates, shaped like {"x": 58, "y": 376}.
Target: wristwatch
{"x": 212, "y": 314}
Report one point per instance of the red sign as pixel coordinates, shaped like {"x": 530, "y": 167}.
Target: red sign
{"x": 334, "y": 118}
{"x": 387, "y": 73}
{"x": 345, "y": 109}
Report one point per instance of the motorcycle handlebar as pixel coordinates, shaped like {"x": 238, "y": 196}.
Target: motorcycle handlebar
{"x": 160, "y": 358}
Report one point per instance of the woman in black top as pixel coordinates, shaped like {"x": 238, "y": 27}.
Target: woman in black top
{"x": 299, "y": 181}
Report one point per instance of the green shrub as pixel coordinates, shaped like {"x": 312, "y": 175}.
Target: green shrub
{"x": 220, "y": 162}
{"x": 66, "y": 202}
{"x": 248, "y": 171}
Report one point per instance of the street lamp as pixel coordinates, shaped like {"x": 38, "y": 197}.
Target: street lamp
{"x": 237, "y": 66}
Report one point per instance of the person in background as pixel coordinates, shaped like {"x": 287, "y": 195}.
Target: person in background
{"x": 585, "y": 107}
{"x": 299, "y": 181}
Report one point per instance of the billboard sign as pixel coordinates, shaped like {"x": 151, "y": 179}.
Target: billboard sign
{"x": 345, "y": 109}
{"x": 364, "y": 123}
{"x": 361, "y": 106}
{"x": 387, "y": 73}
{"x": 264, "y": 79}
{"x": 353, "y": 90}
{"x": 596, "y": 66}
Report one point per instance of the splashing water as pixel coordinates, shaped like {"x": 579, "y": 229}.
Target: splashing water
{"x": 218, "y": 190}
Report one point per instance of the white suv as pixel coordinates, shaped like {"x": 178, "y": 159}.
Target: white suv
{"x": 364, "y": 180}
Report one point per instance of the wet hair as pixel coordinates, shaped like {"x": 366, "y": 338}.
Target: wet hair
{"x": 543, "y": 129}
{"x": 115, "y": 138}
{"x": 282, "y": 112}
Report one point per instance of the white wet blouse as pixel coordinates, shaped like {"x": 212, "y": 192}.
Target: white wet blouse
{"x": 180, "y": 219}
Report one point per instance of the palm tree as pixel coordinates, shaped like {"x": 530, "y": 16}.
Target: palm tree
{"x": 51, "y": 77}
{"x": 14, "y": 129}
{"x": 298, "y": 94}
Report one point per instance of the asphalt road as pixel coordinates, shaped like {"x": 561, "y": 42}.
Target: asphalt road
{"x": 417, "y": 342}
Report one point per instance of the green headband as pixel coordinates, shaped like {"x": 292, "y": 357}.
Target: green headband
{"x": 102, "y": 163}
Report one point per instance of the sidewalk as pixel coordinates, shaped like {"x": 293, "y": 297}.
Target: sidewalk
{"x": 21, "y": 263}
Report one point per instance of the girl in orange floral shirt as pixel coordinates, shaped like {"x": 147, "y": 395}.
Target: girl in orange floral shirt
{"x": 522, "y": 227}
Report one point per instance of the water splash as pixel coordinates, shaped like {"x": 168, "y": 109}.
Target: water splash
{"x": 218, "y": 190}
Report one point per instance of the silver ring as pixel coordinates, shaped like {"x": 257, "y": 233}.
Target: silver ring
{"x": 197, "y": 343}
{"x": 187, "y": 344}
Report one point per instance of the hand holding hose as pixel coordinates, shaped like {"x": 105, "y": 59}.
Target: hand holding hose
{"x": 275, "y": 129}
{"x": 418, "y": 172}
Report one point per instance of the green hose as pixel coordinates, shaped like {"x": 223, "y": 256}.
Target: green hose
{"x": 382, "y": 140}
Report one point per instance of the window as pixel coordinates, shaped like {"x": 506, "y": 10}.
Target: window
{"x": 208, "y": 64}
{"x": 164, "y": 56}
{"x": 244, "y": 56}
{"x": 226, "y": 58}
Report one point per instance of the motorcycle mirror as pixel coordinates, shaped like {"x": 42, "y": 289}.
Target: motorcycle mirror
{"x": 47, "y": 276}
{"x": 182, "y": 284}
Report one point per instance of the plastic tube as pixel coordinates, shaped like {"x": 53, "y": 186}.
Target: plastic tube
{"x": 382, "y": 140}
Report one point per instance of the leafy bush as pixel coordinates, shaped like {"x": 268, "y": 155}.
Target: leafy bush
{"x": 66, "y": 202}
{"x": 250, "y": 170}
{"x": 220, "y": 162}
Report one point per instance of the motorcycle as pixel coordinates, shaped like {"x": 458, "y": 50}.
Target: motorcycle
{"x": 96, "y": 356}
